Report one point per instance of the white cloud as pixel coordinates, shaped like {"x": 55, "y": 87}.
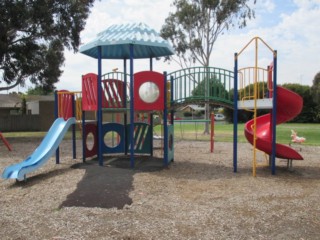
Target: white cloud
{"x": 268, "y": 5}
{"x": 295, "y": 37}
{"x": 295, "y": 34}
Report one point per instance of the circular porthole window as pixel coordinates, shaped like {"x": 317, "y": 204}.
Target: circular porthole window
{"x": 149, "y": 92}
{"x": 90, "y": 141}
{"x": 111, "y": 139}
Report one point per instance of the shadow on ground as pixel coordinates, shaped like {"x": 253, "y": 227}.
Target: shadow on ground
{"x": 109, "y": 186}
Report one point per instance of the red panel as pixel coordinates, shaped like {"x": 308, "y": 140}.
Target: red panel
{"x": 148, "y": 76}
{"x": 91, "y": 128}
{"x": 89, "y": 92}
{"x": 112, "y": 93}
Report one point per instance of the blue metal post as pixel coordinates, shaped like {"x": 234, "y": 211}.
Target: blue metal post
{"x": 171, "y": 99}
{"x": 274, "y": 115}
{"x": 83, "y": 136}
{"x": 74, "y": 152}
{"x": 131, "y": 108}
{"x": 151, "y": 64}
{"x": 99, "y": 111}
{"x": 151, "y": 135}
{"x": 56, "y": 115}
{"x": 235, "y": 113}
{"x": 165, "y": 122}
{"x": 151, "y": 116}
{"x": 125, "y": 105}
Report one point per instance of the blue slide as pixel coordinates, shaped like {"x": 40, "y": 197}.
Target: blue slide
{"x": 42, "y": 153}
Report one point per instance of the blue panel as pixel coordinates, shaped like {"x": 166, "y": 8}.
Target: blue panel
{"x": 119, "y": 129}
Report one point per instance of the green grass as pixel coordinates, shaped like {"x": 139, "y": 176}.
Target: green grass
{"x": 223, "y": 132}
{"x": 34, "y": 134}
{"x": 310, "y": 131}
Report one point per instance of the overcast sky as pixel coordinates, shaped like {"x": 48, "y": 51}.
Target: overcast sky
{"x": 292, "y": 27}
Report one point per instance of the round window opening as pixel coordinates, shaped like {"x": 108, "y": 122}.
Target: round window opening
{"x": 90, "y": 141}
{"x": 149, "y": 92}
{"x": 112, "y": 139}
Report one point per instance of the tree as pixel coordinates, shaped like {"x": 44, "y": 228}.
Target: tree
{"x": 307, "y": 114}
{"x": 216, "y": 89}
{"x": 315, "y": 91}
{"x": 33, "y": 35}
{"x": 38, "y": 90}
{"x": 23, "y": 108}
{"x": 195, "y": 26}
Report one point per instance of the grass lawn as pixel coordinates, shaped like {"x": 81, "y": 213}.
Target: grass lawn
{"x": 223, "y": 132}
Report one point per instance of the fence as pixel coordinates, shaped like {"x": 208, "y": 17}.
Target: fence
{"x": 18, "y": 123}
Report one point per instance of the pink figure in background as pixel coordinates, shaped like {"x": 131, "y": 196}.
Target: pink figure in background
{"x": 295, "y": 138}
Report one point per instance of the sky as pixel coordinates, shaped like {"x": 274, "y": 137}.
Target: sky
{"x": 292, "y": 27}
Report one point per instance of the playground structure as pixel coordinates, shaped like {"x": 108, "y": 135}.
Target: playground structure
{"x": 284, "y": 105}
{"x": 116, "y": 95}
{"x": 149, "y": 97}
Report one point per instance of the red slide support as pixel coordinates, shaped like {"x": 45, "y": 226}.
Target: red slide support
{"x": 4, "y": 140}
{"x": 289, "y": 105}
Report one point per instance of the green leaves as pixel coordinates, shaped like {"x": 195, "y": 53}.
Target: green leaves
{"x": 196, "y": 24}
{"x": 33, "y": 35}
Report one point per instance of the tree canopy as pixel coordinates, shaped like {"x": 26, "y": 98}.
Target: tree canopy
{"x": 315, "y": 89}
{"x": 216, "y": 89}
{"x": 196, "y": 24}
{"x": 307, "y": 114}
{"x": 38, "y": 90}
{"x": 33, "y": 35}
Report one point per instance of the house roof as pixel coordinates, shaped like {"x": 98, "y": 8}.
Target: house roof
{"x": 194, "y": 107}
{"x": 115, "y": 42}
{"x": 38, "y": 98}
{"x": 10, "y": 101}
{"x": 14, "y": 100}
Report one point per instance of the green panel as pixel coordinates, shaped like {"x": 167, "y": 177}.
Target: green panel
{"x": 142, "y": 138}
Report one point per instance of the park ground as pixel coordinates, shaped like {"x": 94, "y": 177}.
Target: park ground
{"x": 197, "y": 197}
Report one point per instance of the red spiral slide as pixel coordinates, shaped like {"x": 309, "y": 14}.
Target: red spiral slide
{"x": 289, "y": 105}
